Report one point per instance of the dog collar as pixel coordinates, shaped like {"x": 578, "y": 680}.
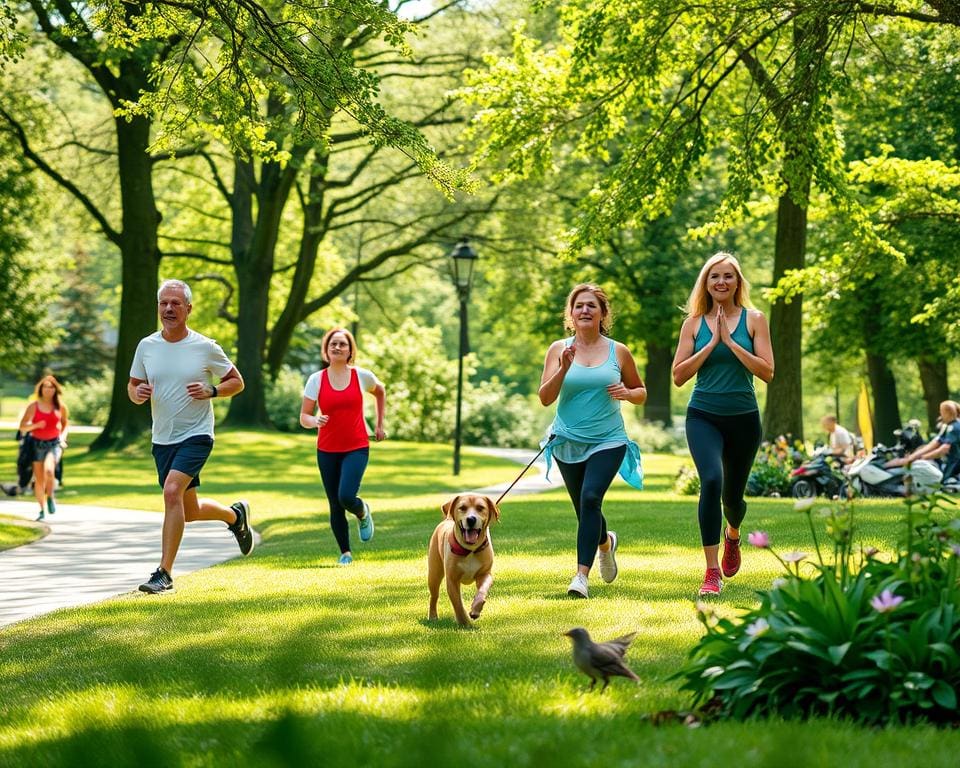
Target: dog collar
{"x": 462, "y": 551}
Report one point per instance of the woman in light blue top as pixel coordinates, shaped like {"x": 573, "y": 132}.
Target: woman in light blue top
{"x": 591, "y": 374}
{"x": 725, "y": 344}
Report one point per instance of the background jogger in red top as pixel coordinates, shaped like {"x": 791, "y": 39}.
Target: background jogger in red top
{"x": 333, "y": 405}
{"x": 47, "y": 421}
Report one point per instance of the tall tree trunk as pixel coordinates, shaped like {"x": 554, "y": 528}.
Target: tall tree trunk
{"x": 886, "y": 408}
{"x": 249, "y": 409}
{"x": 140, "y": 257}
{"x": 933, "y": 378}
{"x": 253, "y": 251}
{"x": 659, "y": 381}
{"x": 783, "y": 413}
{"x": 311, "y": 236}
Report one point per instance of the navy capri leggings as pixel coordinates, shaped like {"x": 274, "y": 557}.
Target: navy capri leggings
{"x": 723, "y": 448}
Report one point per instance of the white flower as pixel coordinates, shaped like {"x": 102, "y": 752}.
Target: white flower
{"x": 757, "y": 628}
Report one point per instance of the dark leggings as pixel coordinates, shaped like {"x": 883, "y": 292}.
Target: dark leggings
{"x": 341, "y": 474}
{"x": 723, "y": 449}
{"x": 587, "y": 482}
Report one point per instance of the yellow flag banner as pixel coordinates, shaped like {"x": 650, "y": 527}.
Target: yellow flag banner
{"x": 865, "y": 416}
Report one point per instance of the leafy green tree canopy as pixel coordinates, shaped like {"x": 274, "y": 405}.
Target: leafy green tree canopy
{"x": 666, "y": 82}
{"x": 216, "y": 61}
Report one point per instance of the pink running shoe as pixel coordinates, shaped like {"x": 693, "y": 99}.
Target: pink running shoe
{"x": 712, "y": 582}
{"x": 731, "y": 556}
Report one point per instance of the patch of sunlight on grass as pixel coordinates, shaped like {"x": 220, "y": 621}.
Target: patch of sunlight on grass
{"x": 123, "y": 706}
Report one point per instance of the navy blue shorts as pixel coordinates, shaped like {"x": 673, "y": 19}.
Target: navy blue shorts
{"x": 188, "y": 457}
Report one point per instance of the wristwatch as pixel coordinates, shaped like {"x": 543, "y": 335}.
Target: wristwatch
{"x": 214, "y": 388}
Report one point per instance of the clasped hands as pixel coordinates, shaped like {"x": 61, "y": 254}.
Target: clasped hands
{"x": 722, "y": 333}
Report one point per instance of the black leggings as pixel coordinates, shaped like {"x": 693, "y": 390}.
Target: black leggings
{"x": 723, "y": 449}
{"x": 341, "y": 474}
{"x": 587, "y": 483}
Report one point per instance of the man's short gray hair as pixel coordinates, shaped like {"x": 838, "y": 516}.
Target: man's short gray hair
{"x": 187, "y": 293}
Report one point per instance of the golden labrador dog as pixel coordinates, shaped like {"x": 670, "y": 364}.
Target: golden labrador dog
{"x": 461, "y": 552}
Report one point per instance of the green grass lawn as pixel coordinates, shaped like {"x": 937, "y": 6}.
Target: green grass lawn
{"x": 285, "y": 659}
{"x": 15, "y": 532}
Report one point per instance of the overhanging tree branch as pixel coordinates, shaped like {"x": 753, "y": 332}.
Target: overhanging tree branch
{"x": 18, "y": 131}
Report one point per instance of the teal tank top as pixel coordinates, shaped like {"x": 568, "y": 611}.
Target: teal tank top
{"x": 588, "y": 420}
{"x": 724, "y": 386}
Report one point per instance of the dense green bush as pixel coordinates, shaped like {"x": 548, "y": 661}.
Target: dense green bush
{"x": 89, "y": 401}
{"x": 422, "y": 394}
{"x": 871, "y": 639}
{"x": 687, "y": 482}
{"x": 770, "y": 475}
{"x": 492, "y": 416}
{"x": 283, "y": 398}
{"x": 651, "y": 436}
{"x": 421, "y": 383}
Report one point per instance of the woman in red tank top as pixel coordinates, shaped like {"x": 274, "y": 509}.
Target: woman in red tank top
{"x": 333, "y": 405}
{"x": 46, "y": 421}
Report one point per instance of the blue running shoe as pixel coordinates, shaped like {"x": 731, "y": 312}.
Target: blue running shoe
{"x": 51, "y": 505}
{"x": 365, "y": 523}
{"x": 345, "y": 559}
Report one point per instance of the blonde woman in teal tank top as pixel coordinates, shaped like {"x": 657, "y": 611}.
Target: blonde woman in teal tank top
{"x": 589, "y": 375}
{"x": 724, "y": 343}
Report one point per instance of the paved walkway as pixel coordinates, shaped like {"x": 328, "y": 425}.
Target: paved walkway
{"x": 532, "y": 482}
{"x": 93, "y": 553}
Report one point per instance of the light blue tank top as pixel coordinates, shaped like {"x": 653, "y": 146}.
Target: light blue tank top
{"x": 724, "y": 386}
{"x": 589, "y": 420}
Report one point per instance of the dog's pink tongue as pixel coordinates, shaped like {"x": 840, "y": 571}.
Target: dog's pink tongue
{"x": 471, "y": 535}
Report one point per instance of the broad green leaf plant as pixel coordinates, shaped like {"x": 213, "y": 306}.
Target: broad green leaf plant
{"x": 846, "y": 631}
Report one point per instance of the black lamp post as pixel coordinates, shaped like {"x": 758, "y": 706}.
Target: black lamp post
{"x": 464, "y": 258}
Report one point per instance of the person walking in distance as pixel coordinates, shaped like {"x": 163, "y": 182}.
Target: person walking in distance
{"x": 589, "y": 376}
{"x": 174, "y": 369}
{"x": 333, "y": 405}
{"x": 725, "y": 344}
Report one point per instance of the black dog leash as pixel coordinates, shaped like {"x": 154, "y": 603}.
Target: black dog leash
{"x": 549, "y": 440}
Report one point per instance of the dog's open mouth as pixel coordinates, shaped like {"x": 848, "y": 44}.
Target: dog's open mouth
{"x": 470, "y": 535}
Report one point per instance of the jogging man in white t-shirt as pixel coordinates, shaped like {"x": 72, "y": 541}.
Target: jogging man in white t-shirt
{"x": 174, "y": 369}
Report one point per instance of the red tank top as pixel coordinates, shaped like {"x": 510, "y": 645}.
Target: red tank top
{"x": 51, "y": 424}
{"x": 345, "y": 430}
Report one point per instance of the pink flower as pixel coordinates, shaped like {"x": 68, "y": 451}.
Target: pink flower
{"x": 759, "y": 539}
{"x": 886, "y": 601}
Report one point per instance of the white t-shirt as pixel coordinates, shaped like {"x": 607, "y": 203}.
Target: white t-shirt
{"x": 367, "y": 379}
{"x": 169, "y": 366}
{"x": 841, "y": 441}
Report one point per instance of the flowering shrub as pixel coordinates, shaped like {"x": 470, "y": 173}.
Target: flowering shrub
{"x": 873, "y": 640}
{"x": 770, "y": 475}
{"x": 687, "y": 482}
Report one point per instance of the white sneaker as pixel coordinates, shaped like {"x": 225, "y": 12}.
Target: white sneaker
{"x": 608, "y": 560}
{"x": 578, "y": 587}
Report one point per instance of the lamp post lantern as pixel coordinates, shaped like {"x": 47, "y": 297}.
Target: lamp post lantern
{"x": 464, "y": 258}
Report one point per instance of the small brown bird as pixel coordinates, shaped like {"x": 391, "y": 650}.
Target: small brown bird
{"x": 600, "y": 660}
